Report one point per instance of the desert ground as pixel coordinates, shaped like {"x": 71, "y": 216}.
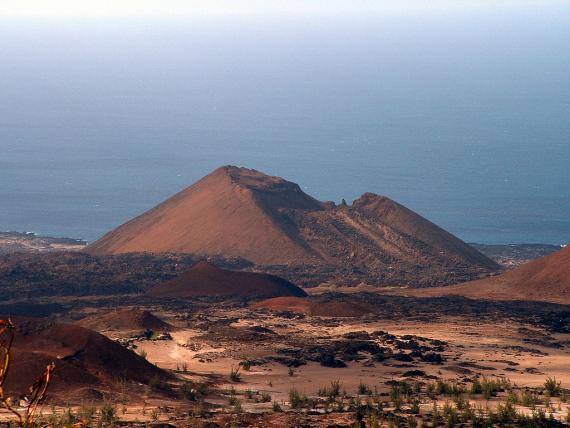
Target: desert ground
{"x": 240, "y": 364}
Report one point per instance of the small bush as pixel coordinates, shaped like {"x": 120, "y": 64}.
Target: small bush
{"x": 276, "y": 407}
{"x": 237, "y": 407}
{"x": 156, "y": 384}
{"x": 296, "y": 399}
{"x": 490, "y": 388}
{"x": 512, "y": 397}
{"x": 529, "y": 399}
{"x": 460, "y": 402}
{"x": 334, "y": 390}
{"x": 552, "y": 387}
{"x": 235, "y": 375}
{"x": 396, "y": 397}
{"x": 87, "y": 412}
{"x": 442, "y": 387}
{"x": 476, "y": 388}
{"x": 363, "y": 389}
{"x": 108, "y": 412}
{"x": 188, "y": 391}
{"x": 450, "y": 415}
{"x": 415, "y": 407}
{"x": 506, "y": 412}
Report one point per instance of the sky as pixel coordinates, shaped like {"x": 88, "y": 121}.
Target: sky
{"x": 177, "y": 8}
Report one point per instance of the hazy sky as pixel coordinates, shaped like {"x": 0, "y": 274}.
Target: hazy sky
{"x": 114, "y": 8}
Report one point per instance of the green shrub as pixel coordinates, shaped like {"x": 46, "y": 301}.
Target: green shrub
{"x": 442, "y": 387}
{"x": 476, "y": 387}
{"x": 460, "y": 402}
{"x": 552, "y": 387}
{"x": 506, "y": 412}
{"x": 363, "y": 389}
{"x": 512, "y": 397}
{"x": 296, "y": 399}
{"x": 529, "y": 399}
{"x": 396, "y": 397}
{"x": 490, "y": 388}
{"x": 334, "y": 390}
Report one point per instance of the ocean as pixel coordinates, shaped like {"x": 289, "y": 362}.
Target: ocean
{"x": 460, "y": 113}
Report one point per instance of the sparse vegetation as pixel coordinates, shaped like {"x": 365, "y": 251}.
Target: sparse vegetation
{"x": 297, "y": 400}
{"x": 363, "y": 389}
{"x": 235, "y": 375}
{"x": 157, "y": 384}
{"x": 108, "y": 412}
{"x": 552, "y": 387}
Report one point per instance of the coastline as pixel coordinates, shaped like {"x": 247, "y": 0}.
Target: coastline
{"x": 507, "y": 255}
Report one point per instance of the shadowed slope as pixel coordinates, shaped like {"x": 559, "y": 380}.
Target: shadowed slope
{"x": 207, "y": 280}
{"x": 270, "y": 221}
{"x": 83, "y": 357}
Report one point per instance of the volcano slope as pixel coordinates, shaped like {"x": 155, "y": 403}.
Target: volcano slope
{"x": 86, "y": 361}
{"x": 207, "y": 280}
{"x": 238, "y": 212}
{"x": 546, "y": 279}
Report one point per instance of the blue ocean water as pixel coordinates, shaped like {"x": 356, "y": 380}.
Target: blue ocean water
{"x": 462, "y": 114}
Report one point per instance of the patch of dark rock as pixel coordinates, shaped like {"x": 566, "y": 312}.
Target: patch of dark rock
{"x": 459, "y": 370}
{"x": 357, "y": 335}
{"x": 414, "y": 373}
{"x": 475, "y": 366}
{"x": 287, "y": 361}
{"x": 329, "y": 360}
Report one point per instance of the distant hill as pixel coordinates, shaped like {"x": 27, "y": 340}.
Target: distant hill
{"x": 545, "y": 279}
{"x": 207, "y": 280}
{"x": 238, "y": 212}
{"x": 125, "y": 320}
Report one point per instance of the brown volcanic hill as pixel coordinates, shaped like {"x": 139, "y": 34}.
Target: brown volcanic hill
{"x": 342, "y": 309}
{"x": 83, "y": 357}
{"x": 238, "y": 212}
{"x": 207, "y": 280}
{"x": 124, "y": 320}
{"x": 546, "y": 279}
